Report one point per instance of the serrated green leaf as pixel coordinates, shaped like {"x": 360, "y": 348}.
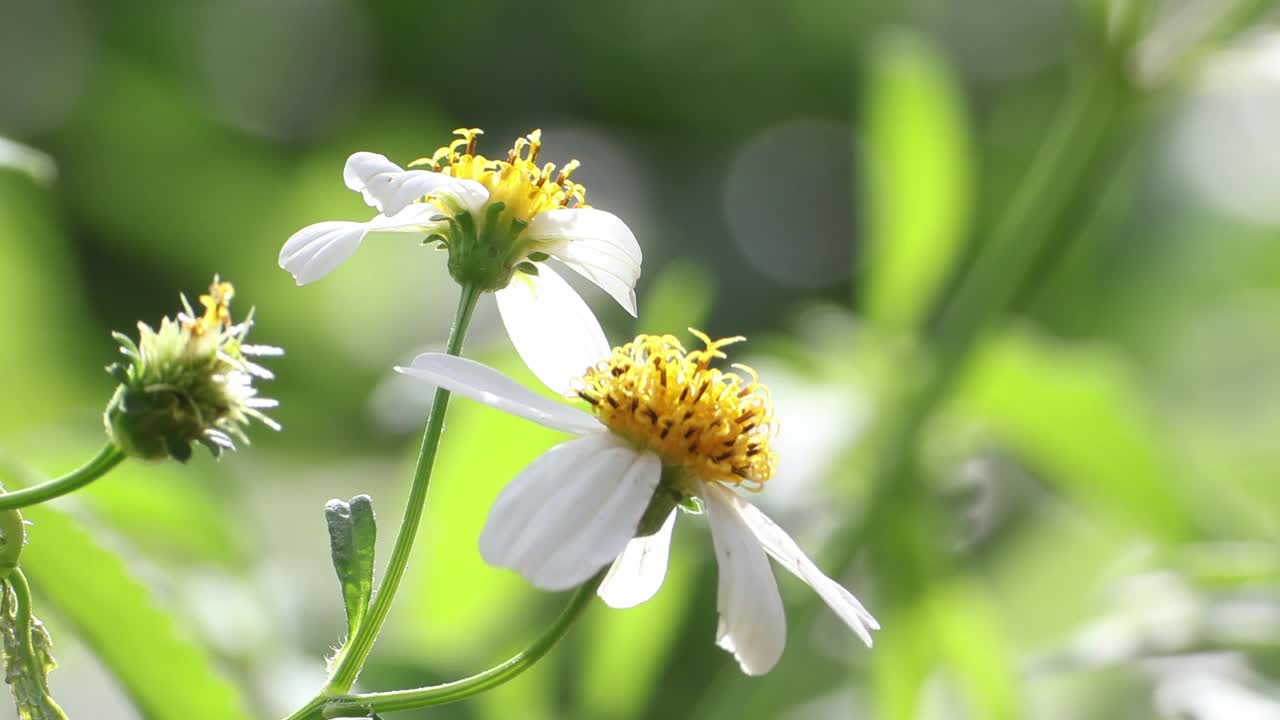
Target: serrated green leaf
{"x": 90, "y": 589}
{"x": 1077, "y": 418}
{"x": 919, "y": 174}
{"x": 352, "y": 533}
{"x": 28, "y": 653}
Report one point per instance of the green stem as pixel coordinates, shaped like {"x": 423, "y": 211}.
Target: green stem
{"x": 22, "y": 615}
{"x": 383, "y": 702}
{"x": 104, "y": 461}
{"x": 351, "y": 660}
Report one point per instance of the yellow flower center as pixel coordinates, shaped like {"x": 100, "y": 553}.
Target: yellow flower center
{"x": 716, "y": 425}
{"x": 524, "y": 187}
{"x": 217, "y": 309}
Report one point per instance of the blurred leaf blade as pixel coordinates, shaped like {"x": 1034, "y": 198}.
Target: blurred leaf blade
{"x": 919, "y": 177}
{"x": 166, "y": 674}
{"x": 35, "y": 164}
{"x": 955, "y": 628}
{"x": 1076, "y": 416}
{"x": 169, "y": 514}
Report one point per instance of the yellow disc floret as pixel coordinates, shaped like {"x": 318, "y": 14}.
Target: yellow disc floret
{"x": 217, "y": 309}
{"x": 715, "y": 425}
{"x": 524, "y": 187}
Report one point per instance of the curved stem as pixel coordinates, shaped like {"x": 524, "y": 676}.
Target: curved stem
{"x": 363, "y": 705}
{"x": 22, "y": 615}
{"x": 104, "y": 461}
{"x": 356, "y": 650}
{"x": 26, "y": 668}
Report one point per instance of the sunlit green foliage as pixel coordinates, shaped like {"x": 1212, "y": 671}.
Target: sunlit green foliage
{"x": 1058, "y": 471}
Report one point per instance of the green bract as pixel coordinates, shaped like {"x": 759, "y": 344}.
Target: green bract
{"x": 189, "y": 381}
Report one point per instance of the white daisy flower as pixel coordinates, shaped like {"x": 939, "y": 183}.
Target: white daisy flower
{"x": 666, "y": 430}
{"x": 499, "y": 220}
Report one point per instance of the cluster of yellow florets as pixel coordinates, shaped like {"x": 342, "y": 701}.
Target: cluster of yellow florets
{"x": 518, "y": 182}
{"x": 716, "y": 424}
{"x": 217, "y": 310}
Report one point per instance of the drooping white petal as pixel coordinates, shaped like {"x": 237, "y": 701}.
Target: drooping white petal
{"x": 316, "y": 250}
{"x": 362, "y": 168}
{"x": 752, "y": 624}
{"x": 594, "y": 243}
{"x": 481, "y": 382}
{"x": 782, "y": 548}
{"x": 571, "y": 512}
{"x": 639, "y": 571}
{"x": 551, "y": 327}
{"x": 390, "y": 188}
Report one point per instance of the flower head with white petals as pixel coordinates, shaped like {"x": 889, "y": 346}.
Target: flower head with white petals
{"x": 500, "y": 221}
{"x": 666, "y": 430}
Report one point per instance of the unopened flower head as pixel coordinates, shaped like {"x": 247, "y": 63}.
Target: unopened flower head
{"x": 190, "y": 380}
{"x": 500, "y": 221}
{"x": 668, "y": 430}
{"x": 714, "y": 425}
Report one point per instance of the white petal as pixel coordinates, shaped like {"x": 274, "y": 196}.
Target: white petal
{"x": 639, "y": 571}
{"x": 469, "y": 194}
{"x": 418, "y": 217}
{"x": 782, "y": 548}
{"x": 594, "y": 243}
{"x": 752, "y": 624}
{"x": 571, "y": 512}
{"x": 551, "y": 327}
{"x": 316, "y": 250}
{"x": 362, "y": 167}
{"x": 390, "y": 188}
{"x": 481, "y": 382}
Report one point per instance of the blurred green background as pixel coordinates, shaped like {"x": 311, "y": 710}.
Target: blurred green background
{"x": 1010, "y": 267}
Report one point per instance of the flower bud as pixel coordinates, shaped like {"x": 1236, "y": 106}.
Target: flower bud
{"x": 189, "y": 381}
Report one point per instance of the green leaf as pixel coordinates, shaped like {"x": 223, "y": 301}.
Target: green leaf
{"x": 352, "y": 532}
{"x": 956, "y": 628}
{"x": 169, "y": 511}
{"x": 919, "y": 177}
{"x": 89, "y": 588}
{"x": 1077, "y": 418}
{"x": 43, "y": 307}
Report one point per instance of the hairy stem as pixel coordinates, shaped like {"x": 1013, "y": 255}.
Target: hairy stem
{"x": 365, "y": 704}
{"x": 357, "y": 648}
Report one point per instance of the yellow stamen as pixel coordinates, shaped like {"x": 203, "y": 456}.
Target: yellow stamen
{"x": 518, "y": 182}
{"x": 717, "y": 425}
{"x": 217, "y": 309}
